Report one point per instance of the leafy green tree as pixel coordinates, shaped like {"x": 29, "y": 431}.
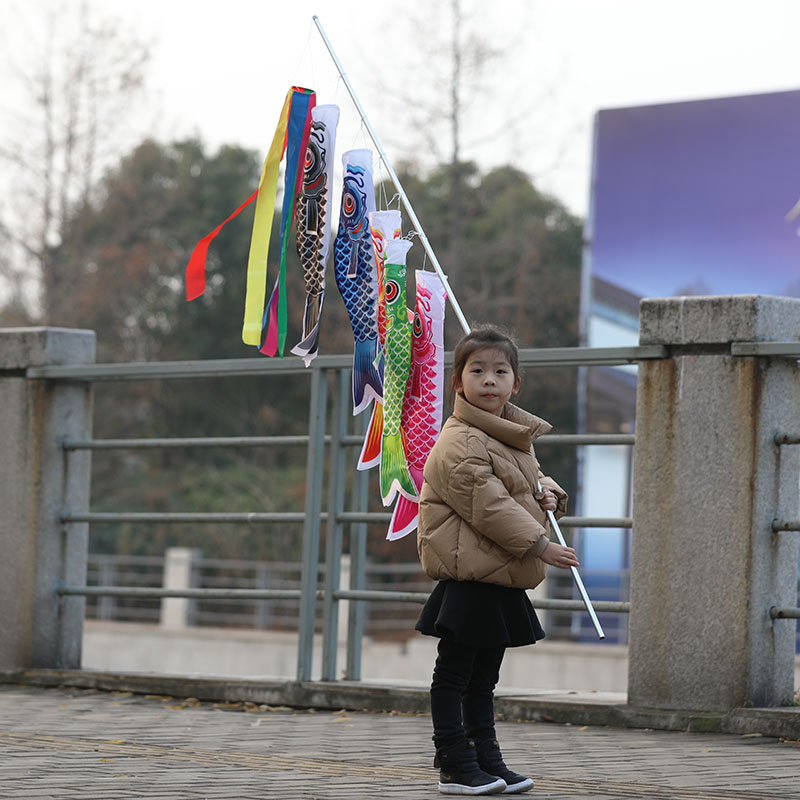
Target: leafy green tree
{"x": 75, "y": 78}
{"x": 137, "y": 233}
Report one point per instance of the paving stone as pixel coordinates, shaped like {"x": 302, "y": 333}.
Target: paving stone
{"x": 67, "y": 743}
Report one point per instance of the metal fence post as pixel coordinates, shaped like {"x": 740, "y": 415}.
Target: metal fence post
{"x": 358, "y": 560}
{"x": 333, "y": 529}
{"x": 311, "y": 522}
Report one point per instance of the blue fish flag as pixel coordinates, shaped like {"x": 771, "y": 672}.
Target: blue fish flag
{"x": 357, "y": 277}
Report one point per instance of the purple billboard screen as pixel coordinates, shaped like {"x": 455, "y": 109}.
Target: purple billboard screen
{"x": 692, "y": 198}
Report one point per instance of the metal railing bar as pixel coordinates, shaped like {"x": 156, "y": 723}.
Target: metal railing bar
{"x": 564, "y": 522}
{"x": 206, "y": 368}
{"x": 603, "y": 606}
{"x": 587, "y": 438}
{"x": 364, "y": 516}
{"x": 583, "y": 361}
{"x": 198, "y": 594}
{"x": 785, "y": 349}
{"x": 787, "y": 438}
{"x": 366, "y": 595}
{"x": 585, "y": 356}
{"x": 301, "y": 440}
{"x": 242, "y": 517}
{"x": 779, "y": 525}
{"x": 251, "y": 517}
{"x": 778, "y": 612}
{"x": 160, "y": 370}
{"x": 211, "y": 441}
{"x": 596, "y": 522}
{"x": 381, "y": 596}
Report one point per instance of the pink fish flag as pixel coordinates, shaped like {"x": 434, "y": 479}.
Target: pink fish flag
{"x": 264, "y": 197}
{"x": 383, "y": 226}
{"x": 394, "y": 474}
{"x": 422, "y": 404}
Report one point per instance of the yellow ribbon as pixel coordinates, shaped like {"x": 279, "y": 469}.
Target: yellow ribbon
{"x": 262, "y": 228}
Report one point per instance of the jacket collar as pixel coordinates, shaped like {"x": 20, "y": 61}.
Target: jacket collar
{"x": 516, "y": 428}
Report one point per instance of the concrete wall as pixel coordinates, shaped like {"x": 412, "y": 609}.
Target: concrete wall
{"x": 215, "y": 651}
{"x": 128, "y": 647}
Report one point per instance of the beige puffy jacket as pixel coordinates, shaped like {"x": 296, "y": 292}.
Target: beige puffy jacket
{"x": 479, "y": 516}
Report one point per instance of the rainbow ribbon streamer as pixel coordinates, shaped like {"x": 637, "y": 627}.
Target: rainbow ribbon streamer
{"x": 299, "y": 128}
{"x": 291, "y": 135}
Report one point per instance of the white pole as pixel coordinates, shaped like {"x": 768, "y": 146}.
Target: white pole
{"x": 450, "y": 296}
{"x": 576, "y": 576}
{"x": 395, "y": 180}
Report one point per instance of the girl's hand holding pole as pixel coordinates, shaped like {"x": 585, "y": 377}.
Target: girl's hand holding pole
{"x": 549, "y": 501}
{"x": 557, "y": 556}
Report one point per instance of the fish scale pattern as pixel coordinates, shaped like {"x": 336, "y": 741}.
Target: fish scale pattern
{"x": 359, "y": 293}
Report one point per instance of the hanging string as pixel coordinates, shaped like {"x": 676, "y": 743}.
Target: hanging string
{"x": 311, "y": 59}
{"x": 410, "y": 236}
{"x": 336, "y": 89}
{"x": 305, "y": 53}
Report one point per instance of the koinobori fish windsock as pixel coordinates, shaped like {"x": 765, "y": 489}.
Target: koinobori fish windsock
{"x": 422, "y": 405}
{"x": 383, "y": 225}
{"x": 394, "y": 471}
{"x": 356, "y": 275}
{"x": 314, "y": 223}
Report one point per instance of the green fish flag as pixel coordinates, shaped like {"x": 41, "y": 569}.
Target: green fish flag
{"x": 395, "y": 476}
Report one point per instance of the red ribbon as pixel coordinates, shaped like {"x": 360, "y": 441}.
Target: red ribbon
{"x": 196, "y": 268}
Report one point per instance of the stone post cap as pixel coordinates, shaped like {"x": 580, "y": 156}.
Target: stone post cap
{"x": 34, "y": 347}
{"x": 719, "y": 319}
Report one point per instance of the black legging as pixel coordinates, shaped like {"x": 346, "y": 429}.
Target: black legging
{"x": 464, "y": 679}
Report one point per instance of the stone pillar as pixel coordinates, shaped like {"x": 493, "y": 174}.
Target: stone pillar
{"x": 708, "y": 481}
{"x": 178, "y": 565}
{"x": 39, "y": 479}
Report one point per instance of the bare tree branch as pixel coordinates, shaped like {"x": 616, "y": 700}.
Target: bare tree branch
{"x": 78, "y": 82}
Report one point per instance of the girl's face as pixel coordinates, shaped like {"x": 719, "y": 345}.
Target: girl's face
{"x": 488, "y": 381}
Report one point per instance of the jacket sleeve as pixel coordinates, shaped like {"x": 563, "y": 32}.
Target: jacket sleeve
{"x": 563, "y": 497}
{"x": 479, "y": 497}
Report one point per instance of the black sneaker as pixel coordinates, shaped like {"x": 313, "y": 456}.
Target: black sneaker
{"x": 459, "y": 772}
{"x": 490, "y": 759}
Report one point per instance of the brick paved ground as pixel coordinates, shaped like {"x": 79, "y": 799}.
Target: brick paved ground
{"x": 90, "y": 745}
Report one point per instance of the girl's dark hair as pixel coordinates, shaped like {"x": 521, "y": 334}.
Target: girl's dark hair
{"x": 480, "y": 337}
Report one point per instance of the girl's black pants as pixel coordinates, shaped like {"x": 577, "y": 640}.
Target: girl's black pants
{"x": 462, "y": 692}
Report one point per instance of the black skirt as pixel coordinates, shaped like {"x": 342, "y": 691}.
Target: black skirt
{"x": 480, "y": 615}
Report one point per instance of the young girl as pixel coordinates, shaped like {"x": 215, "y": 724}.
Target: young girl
{"x": 483, "y": 535}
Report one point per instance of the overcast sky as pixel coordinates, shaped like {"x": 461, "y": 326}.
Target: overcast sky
{"x": 221, "y": 70}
